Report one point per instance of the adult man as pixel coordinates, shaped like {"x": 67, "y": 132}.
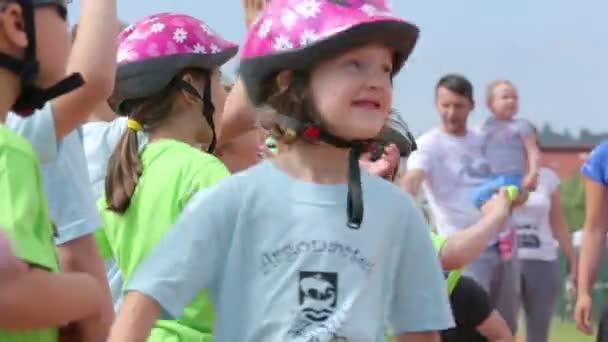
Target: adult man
{"x": 448, "y": 165}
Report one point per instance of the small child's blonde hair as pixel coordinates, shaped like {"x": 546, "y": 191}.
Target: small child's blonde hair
{"x": 492, "y": 87}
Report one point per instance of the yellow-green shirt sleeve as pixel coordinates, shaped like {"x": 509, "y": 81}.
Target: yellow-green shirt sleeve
{"x": 23, "y": 209}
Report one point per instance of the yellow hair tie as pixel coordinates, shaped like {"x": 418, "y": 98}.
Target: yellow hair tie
{"x": 134, "y": 125}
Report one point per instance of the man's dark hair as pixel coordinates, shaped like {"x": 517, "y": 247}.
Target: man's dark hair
{"x": 457, "y": 84}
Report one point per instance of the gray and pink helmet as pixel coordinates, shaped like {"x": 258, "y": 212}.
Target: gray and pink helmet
{"x": 396, "y": 131}
{"x": 299, "y": 34}
{"x": 154, "y": 50}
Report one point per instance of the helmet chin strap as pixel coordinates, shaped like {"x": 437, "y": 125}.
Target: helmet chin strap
{"x": 31, "y": 96}
{"x": 315, "y": 132}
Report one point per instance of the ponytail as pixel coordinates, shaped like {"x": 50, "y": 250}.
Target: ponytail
{"x": 125, "y": 166}
{"x": 124, "y": 170}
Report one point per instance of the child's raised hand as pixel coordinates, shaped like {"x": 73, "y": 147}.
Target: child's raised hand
{"x": 499, "y": 206}
{"x": 385, "y": 166}
{"x": 252, "y": 9}
{"x": 530, "y": 182}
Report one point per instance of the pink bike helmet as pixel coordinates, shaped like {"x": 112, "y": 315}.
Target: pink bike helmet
{"x": 154, "y": 50}
{"x": 299, "y": 34}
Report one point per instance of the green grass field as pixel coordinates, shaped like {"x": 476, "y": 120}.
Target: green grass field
{"x": 562, "y": 331}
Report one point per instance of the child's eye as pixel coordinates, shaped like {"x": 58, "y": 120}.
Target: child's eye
{"x": 354, "y": 63}
{"x": 387, "y": 69}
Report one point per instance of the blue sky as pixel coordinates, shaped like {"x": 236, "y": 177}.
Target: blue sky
{"x": 556, "y": 51}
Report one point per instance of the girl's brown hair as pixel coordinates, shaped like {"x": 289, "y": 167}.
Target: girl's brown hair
{"x": 292, "y": 102}
{"x": 124, "y": 166}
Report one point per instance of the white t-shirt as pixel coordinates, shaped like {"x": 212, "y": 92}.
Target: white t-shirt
{"x": 454, "y": 166}
{"x": 534, "y": 234}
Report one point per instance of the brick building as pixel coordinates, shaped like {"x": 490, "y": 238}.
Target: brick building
{"x": 565, "y": 160}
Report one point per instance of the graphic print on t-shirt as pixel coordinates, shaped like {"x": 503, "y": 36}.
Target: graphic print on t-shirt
{"x": 474, "y": 171}
{"x": 318, "y": 296}
{"x": 527, "y": 236}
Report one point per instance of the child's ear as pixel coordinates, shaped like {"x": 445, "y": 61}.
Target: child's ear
{"x": 191, "y": 80}
{"x": 13, "y": 27}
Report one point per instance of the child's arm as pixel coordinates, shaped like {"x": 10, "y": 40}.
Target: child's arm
{"x": 93, "y": 55}
{"x": 467, "y": 244}
{"x": 494, "y": 328}
{"x": 41, "y": 299}
{"x": 595, "y": 174}
{"x": 594, "y": 237}
{"x": 10, "y": 266}
{"x": 138, "y": 314}
{"x": 82, "y": 255}
{"x": 473, "y": 308}
{"x": 533, "y": 154}
{"x": 238, "y": 116}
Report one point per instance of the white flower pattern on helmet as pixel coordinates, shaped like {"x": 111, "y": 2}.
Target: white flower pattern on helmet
{"x": 206, "y": 29}
{"x": 157, "y": 27}
{"x": 168, "y": 34}
{"x": 309, "y": 8}
{"x": 285, "y": 21}
{"x": 265, "y": 28}
{"x": 126, "y": 55}
{"x": 180, "y": 35}
{"x": 282, "y": 43}
{"x": 199, "y": 48}
{"x": 370, "y": 10}
{"x": 307, "y": 37}
{"x": 289, "y": 19}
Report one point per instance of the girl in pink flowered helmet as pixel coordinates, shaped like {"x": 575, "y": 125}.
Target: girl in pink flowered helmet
{"x": 168, "y": 74}
{"x": 272, "y": 243}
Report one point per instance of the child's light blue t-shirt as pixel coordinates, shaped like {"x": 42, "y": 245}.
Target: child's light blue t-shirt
{"x": 39, "y": 130}
{"x": 281, "y": 264}
{"x": 64, "y": 174}
{"x": 72, "y": 205}
{"x": 504, "y": 146}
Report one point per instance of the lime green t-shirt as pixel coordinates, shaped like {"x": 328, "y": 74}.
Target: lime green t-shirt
{"x": 24, "y": 217}
{"x": 452, "y": 277}
{"x": 172, "y": 173}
